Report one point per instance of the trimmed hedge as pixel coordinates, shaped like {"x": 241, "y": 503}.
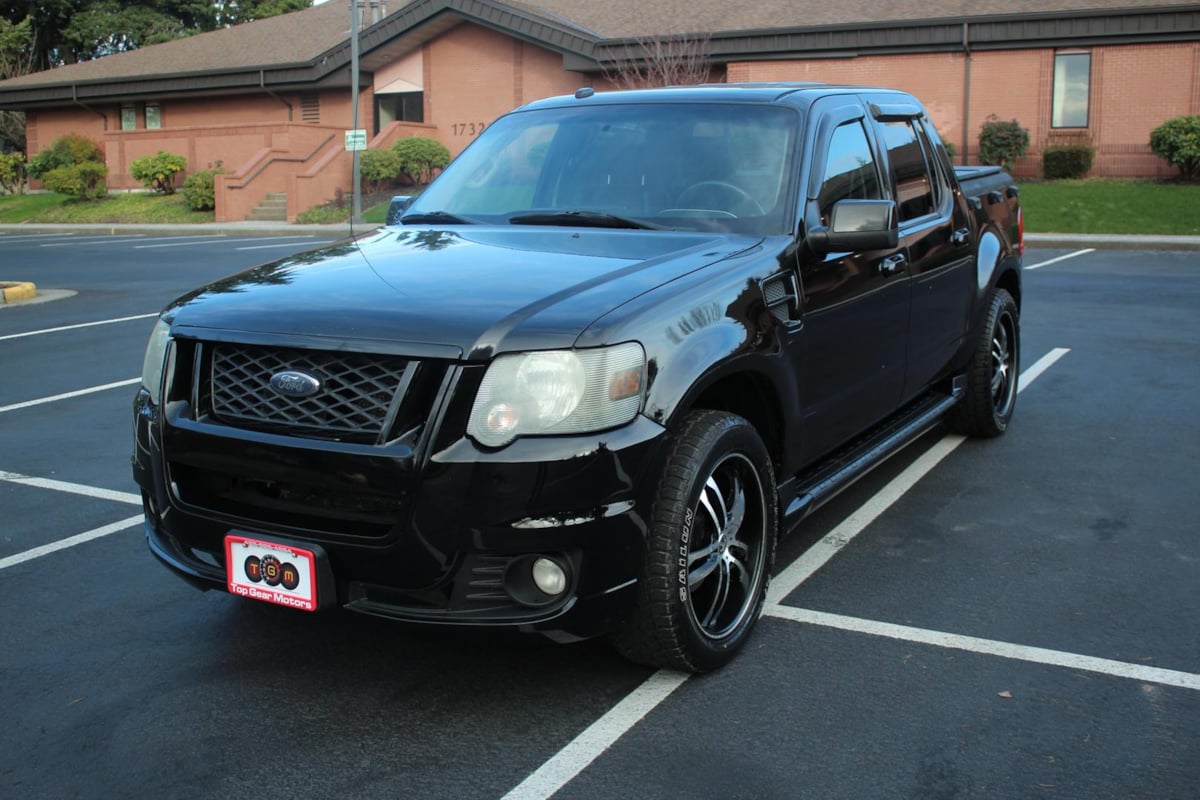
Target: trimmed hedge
{"x": 1064, "y": 161}
{"x": 1178, "y": 141}
{"x": 199, "y": 191}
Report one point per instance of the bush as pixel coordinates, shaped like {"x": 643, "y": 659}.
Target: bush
{"x": 951, "y": 150}
{"x": 1002, "y": 142}
{"x": 158, "y": 172}
{"x": 1065, "y": 161}
{"x": 326, "y": 214}
{"x": 84, "y": 180}
{"x": 1178, "y": 141}
{"x": 13, "y": 173}
{"x": 65, "y": 151}
{"x": 378, "y": 168}
{"x": 199, "y": 191}
{"x": 420, "y": 158}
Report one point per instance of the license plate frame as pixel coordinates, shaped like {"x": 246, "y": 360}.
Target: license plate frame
{"x": 272, "y": 571}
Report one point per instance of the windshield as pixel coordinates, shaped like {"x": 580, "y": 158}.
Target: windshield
{"x": 669, "y": 165}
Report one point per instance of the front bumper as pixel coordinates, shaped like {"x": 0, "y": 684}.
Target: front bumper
{"x": 445, "y": 539}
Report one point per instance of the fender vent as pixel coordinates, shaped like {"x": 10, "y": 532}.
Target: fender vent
{"x": 779, "y": 293}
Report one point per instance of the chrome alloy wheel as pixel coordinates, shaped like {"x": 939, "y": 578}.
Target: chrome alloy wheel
{"x": 726, "y": 554}
{"x": 1004, "y": 364}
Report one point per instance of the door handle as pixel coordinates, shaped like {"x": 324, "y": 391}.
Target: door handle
{"x": 892, "y": 265}
{"x": 960, "y": 237}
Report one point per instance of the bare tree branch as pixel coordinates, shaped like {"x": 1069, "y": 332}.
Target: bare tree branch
{"x": 664, "y": 61}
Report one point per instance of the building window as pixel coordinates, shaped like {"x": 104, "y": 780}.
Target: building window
{"x": 128, "y": 118}
{"x": 153, "y": 115}
{"x": 1072, "y": 80}
{"x": 401, "y": 106}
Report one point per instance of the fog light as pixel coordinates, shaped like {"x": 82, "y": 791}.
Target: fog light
{"x": 549, "y": 576}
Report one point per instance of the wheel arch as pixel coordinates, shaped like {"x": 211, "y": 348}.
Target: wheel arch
{"x": 752, "y": 395}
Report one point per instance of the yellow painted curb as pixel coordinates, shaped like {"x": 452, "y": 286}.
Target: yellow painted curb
{"x": 16, "y": 291}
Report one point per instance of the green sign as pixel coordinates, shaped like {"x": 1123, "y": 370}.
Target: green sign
{"x": 356, "y": 140}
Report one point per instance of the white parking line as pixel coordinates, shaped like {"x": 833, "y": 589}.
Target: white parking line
{"x": 597, "y": 737}
{"x": 269, "y": 246}
{"x": 76, "y": 327}
{"x": 68, "y": 395}
{"x": 589, "y": 745}
{"x": 1047, "y": 263}
{"x": 72, "y": 488}
{"x": 193, "y": 244}
{"x": 990, "y": 647}
{"x": 63, "y": 544}
{"x": 122, "y": 239}
{"x": 27, "y": 236}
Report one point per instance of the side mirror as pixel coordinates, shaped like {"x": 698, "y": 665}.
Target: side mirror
{"x": 857, "y": 225}
{"x": 396, "y": 208}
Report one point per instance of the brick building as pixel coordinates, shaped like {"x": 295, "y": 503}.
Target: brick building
{"x": 270, "y": 100}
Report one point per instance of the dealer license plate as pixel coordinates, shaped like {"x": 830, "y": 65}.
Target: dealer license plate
{"x": 272, "y": 572}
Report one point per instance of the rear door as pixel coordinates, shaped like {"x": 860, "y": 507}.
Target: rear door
{"x": 935, "y": 239}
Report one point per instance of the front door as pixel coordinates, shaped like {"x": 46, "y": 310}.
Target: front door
{"x": 855, "y": 305}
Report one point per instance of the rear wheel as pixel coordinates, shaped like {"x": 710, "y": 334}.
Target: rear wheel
{"x": 709, "y": 551}
{"x": 991, "y": 394}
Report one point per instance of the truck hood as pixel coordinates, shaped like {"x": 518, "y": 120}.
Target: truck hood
{"x": 476, "y": 290}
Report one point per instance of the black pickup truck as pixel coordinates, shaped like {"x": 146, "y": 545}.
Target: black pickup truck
{"x": 617, "y": 348}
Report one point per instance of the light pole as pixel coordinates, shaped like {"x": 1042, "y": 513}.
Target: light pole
{"x": 355, "y": 16}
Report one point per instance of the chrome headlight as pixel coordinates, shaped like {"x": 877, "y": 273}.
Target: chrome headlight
{"x": 156, "y": 353}
{"x": 558, "y": 392}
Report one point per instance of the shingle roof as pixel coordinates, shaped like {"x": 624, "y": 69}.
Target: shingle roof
{"x": 295, "y": 38}
{"x": 634, "y": 18}
{"x": 305, "y": 46}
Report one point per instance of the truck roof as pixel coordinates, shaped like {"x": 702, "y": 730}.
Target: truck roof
{"x": 798, "y": 92}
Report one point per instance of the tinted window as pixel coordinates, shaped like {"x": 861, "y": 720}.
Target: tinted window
{"x": 678, "y": 165}
{"x": 910, "y": 171}
{"x": 850, "y": 172}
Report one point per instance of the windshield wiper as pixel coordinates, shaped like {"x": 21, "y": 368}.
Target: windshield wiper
{"x": 584, "y": 219}
{"x": 427, "y": 217}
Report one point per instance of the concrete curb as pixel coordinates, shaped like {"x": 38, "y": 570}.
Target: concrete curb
{"x": 1112, "y": 241}
{"x": 16, "y": 291}
{"x": 338, "y": 231}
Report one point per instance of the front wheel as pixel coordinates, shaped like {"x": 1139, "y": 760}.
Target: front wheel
{"x": 987, "y": 406}
{"x": 709, "y": 551}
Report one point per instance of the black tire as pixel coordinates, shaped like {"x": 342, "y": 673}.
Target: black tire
{"x": 709, "y": 551}
{"x": 991, "y": 395}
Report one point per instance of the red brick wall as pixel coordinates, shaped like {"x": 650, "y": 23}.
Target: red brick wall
{"x": 473, "y": 75}
{"x": 1133, "y": 90}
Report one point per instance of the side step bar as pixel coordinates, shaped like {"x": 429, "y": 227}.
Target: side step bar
{"x": 820, "y": 485}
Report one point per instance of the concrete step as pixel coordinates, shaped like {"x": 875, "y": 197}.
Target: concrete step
{"x": 273, "y": 208}
{"x": 261, "y": 214}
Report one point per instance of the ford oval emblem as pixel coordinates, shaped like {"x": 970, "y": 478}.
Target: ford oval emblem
{"x": 293, "y": 383}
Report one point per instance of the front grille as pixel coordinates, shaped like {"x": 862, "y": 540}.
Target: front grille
{"x": 358, "y": 398}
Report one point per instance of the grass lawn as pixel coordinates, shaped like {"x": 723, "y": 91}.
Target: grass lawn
{"x": 114, "y": 208}
{"x": 1111, "y": 206}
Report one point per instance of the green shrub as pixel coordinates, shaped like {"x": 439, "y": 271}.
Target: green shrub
{"x": 65, "y": 151}
{"x": 951, "y": 150}
{"x": 1002, "y": 142}
{"x": 13, "y": 173}
{"x": 420, "y": 158}
{"x": 84, "y": 180}
{"x": 199, "y": 191}
{"x": 1178, "y": 141}
{"x": 325, "y": 214}
{"x": 378, "y": 168}
{"x": 158, "y": 172}
{"x": 1066, "y": 161}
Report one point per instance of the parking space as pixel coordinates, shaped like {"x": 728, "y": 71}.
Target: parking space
{"x": 1012, "y": 618}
